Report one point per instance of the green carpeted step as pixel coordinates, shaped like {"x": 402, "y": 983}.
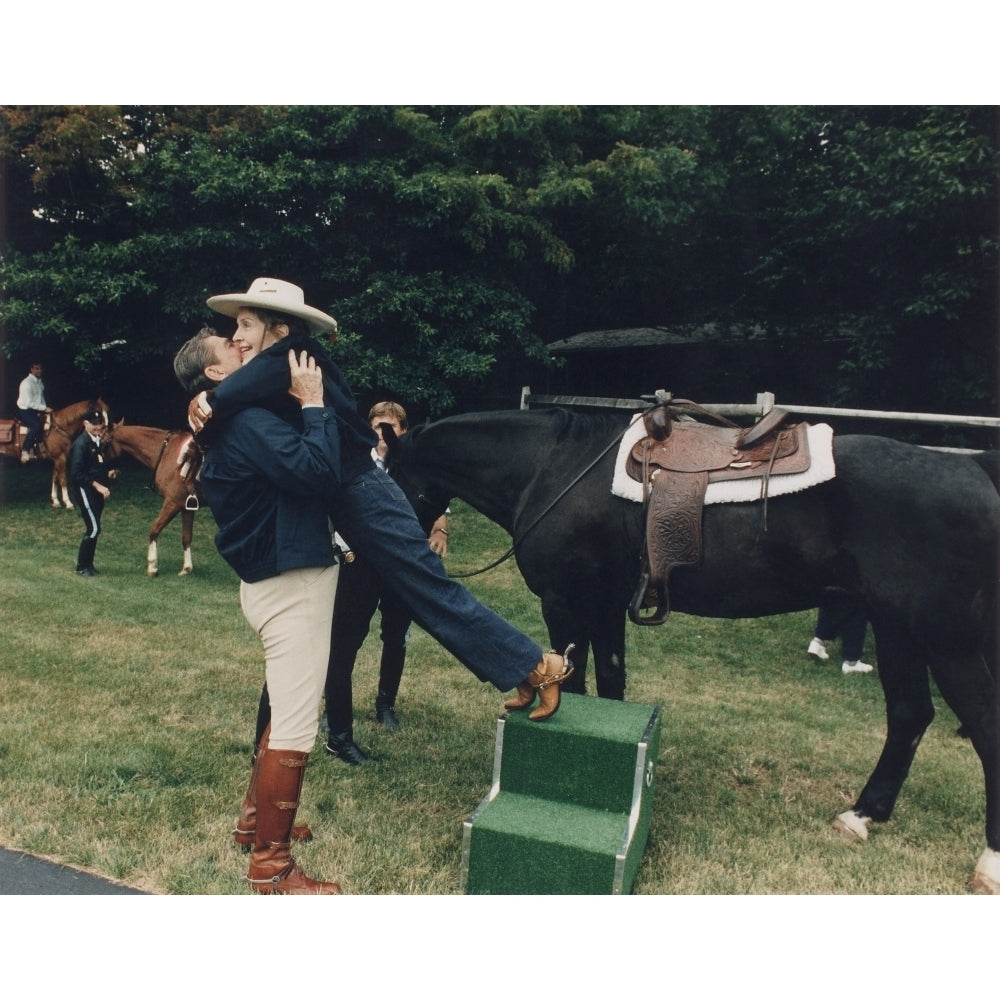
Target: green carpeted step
{"x": 524, "y": 845}
{"x": 585, "y": 754}
{"x": 569, "y": 808}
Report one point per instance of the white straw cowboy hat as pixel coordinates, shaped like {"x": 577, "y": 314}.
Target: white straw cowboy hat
{"x": 278, "y": 296}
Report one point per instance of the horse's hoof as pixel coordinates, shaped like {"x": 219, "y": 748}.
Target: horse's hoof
{"x": 152, "y": 572}
{"x": 986, "y": 877}
{"x": 186, "y": 571}
{"x": 852, "y": 827}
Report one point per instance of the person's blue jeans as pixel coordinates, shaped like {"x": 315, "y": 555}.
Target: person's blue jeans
{"x": 34, "y": 424}
{"x": 373, "y": 514}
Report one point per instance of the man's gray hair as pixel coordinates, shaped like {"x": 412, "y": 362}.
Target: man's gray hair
{"x": 193, "y": 358}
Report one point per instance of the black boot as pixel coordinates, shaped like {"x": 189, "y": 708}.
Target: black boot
{"x": 384, "y": 713}
{"x": 342, "y": 745}
{"x": 85, "y": 557}
{"x": 389, "y": 675}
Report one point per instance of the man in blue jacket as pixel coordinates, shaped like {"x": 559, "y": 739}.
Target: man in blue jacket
{"x": 266, "y": 482}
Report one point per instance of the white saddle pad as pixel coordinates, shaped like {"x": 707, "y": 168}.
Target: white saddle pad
{"x": 821, "y": 469}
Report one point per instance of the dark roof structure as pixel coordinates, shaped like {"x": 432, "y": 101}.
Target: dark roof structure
{"x": 689, "y": 334}
{"x": 657, "y": 336}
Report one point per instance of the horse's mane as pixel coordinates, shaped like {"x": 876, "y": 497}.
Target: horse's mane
{"x": 569, "y": 425}
{"x": 77, "y": 409}
{"x": 563, "y": 424}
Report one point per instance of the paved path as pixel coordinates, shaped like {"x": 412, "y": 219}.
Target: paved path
{"x": 25, "y": 875}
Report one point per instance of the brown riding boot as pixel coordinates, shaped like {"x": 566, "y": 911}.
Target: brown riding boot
{"x": 246, "y": 823}
{"x": 272, "y": 868}
{"x": 543, "y": 680}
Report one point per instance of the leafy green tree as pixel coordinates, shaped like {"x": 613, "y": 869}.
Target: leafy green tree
{"x": 882, "y": 223}
{"x": 452, "y": 242}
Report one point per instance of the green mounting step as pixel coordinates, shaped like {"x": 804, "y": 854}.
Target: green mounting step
{"x": 569, "y": 808}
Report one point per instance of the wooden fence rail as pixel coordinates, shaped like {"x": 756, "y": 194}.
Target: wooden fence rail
{"x": 764, "y": 404}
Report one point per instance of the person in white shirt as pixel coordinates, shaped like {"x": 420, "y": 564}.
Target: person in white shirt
{"x": 31, "y": 409}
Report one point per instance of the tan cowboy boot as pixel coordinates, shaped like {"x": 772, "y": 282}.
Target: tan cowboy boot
{"x": 246, "y": 823}
{"x": 272, "y": 869}
{"x": 545, "y": 680}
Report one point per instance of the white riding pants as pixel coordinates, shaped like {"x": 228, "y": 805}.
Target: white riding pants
{"x": 292, "y": 614}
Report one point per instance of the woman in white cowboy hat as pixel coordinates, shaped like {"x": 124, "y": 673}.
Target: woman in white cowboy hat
{"x": 273, "y": 319}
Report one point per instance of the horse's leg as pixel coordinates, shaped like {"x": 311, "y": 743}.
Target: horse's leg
{"x": 167, "y": 513}
{"x": 609, "y": 653}
{"x": 565, "y": 627}
{"x": 968, "y": 684}
{"x": 60, "y": 479}
{"x": 909, "y": 711}
{"x": 59, "y": 482}
{"x": 187, "y": 533}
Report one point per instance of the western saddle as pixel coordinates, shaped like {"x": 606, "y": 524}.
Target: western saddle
{"x": 676, "y": 460}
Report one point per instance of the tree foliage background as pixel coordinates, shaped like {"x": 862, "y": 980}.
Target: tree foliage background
{"x": 454, "y": 242}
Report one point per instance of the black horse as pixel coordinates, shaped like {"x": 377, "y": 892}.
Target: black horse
{"x": 909, "y": 533}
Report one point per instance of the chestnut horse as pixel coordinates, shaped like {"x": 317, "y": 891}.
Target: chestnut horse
{"x": 58, "y": 432}
{"x": 158, "y": 449}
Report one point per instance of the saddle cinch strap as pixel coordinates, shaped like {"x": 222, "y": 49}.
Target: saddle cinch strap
{"x": 677, "y": 461}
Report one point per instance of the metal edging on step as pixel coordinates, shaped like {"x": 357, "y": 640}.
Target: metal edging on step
{"x": 468, "y": 822}
{"x": 643, "y": 778}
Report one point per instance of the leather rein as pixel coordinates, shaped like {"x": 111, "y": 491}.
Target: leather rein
{"x": 534, "y": 524}
{"x": 660, "y": 397}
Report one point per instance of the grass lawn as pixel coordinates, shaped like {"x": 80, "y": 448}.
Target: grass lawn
{"x": 129, "y": 703}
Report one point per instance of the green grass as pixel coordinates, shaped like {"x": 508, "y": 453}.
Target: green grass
{"x": 129, "y": 703}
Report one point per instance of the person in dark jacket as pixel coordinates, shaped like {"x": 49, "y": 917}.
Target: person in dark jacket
{"x": 266, "y": 482}
{"x": 273, "y": 323}
{"x": 89, "y": 479}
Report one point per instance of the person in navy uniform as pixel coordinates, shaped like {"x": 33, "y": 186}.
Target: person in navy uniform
{"x": 90, "y": 480}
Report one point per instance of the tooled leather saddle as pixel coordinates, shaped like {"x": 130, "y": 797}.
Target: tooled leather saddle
{"x": 676, "y": 460}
